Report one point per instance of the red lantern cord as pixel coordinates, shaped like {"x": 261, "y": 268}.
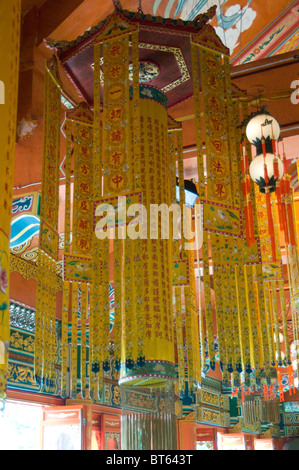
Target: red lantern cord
{"x": 273, "y": 140}
{"x": 288, "y": 206}
{"x": 281, "y": 193}
{"x": 246, "y": 188}
{"x": 271, "y": 224}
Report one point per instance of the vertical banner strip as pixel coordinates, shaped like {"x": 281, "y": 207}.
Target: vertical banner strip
{"x": 233, "y": 134}
{"x": 64, "y": 339}
{"x": 260, "y": 301}
{"x": 105, "y": 309}
{"x": 255, "y": 346}
{"x": 117, "y": 280}
{"x": 117, "y": 161}
{"x": 272, "y": 287}
{"x": 284, "y": 321}
{"x": 208, "y": 300}
{"x": 97, "y": 129}
{"x": 188, "y": 329}
{"x": 269, "y": 324}
{"x": 83, "y": 320}
{"x": 53, "y": 290}
{"x": 198, "y": 119}
{"x": 68, "y": 161}
{"x": 74, "y": 341}
{"x": 38, "y": 342}
{"x": 180, "y": 340}
{"x": 219, "y": 178}
{"x": 136, "y": 110}
{"x": 129, "y": 307}
{"x": 219, "y": 303}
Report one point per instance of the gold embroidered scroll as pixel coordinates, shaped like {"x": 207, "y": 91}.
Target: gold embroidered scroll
{"x": 45, "y": 337}
{"x": 156, "y": 279}
{"x": 78, "y": 263}
{"x": 183, "y": 274}
{"x": 118, "y": 155}
{"x": 234, "y": 302}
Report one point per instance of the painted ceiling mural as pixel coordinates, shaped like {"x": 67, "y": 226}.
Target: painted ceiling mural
{"x": 252, "y": 29}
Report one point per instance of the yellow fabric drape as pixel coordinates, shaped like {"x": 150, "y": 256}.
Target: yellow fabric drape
{"x": 10, "y": 21}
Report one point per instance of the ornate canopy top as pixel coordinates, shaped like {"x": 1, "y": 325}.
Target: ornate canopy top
{"x": 164, "y": 42}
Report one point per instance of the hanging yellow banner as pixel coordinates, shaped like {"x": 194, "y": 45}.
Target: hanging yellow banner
{"x": 10, "y": 21}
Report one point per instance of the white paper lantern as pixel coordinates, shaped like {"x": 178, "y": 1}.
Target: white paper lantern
{"x": 294, "y": 347}
{"x": 257, "y": 170}
{"x": 262, "y": 125}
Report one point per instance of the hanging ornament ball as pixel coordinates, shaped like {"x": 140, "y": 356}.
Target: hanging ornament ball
{"x": 257, "y": 171}
{"x": 262, "y": 125}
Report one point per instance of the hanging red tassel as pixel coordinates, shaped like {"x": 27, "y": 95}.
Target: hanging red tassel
{"x": 271, "y": 224}
{"x": 291, "y": 380}
{"x": 244, "y": 188}
{"x": 290, "y": 217}
{"x": 273, "y": 141}
{"x": 266, "y": 396}
{"x": 279, "y": 206}
{"x": 263, "y": 145}
{"x": 284, "y": 212}
{"x": 280, "y": 386}
{"x": 250, "y": 223}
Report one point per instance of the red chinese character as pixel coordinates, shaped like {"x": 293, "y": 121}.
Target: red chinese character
{"x": 218, "y": 166}
{"x": 115, "y": 50}
{"x": 116, "y": 136}
{"x": 117, "y": 180}
{"x": 212, "y": 81}
{"x": 83, "y": 224}
{"x": 84, "y": 244}
{"x": 217, "y": 144}
{"x": 220, "y": 191}
{"x": 115, "y": 113}
{"x": 213, "y": 104}
{"x": 84, "y": 133}
{"x": 84, "y": 169}
{"x": 84, "y": 188}
{"x": 115, "y": 72}
{"x": 116, "y": 158}
{"x": 83, "y": 206}
{"x": 216, "y": 124}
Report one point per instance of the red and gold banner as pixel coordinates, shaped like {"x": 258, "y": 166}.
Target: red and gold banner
{"x": 118, "y": 161}
{"x": 83, "y": 189}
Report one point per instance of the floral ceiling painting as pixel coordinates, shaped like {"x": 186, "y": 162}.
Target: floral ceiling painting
{"x": 251, "y": 29}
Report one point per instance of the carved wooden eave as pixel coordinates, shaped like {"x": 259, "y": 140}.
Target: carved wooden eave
{"x": 61, "y": 47}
